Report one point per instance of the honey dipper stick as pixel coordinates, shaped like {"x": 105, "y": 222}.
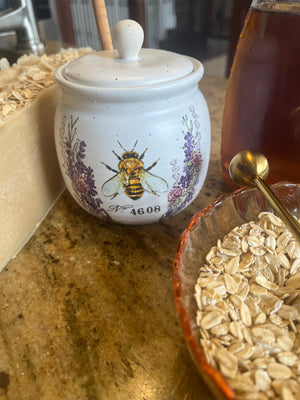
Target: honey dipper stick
{"x": 102, "y": 24}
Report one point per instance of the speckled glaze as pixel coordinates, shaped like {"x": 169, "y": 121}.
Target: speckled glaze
{"x": 132, "y": 133}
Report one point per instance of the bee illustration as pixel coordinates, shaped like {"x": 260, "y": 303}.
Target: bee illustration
{"x": 132, "y": 178}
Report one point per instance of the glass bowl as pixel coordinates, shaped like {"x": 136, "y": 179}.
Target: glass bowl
{"x": 202, "y": 233}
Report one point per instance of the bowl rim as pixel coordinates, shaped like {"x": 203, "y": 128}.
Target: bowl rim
{"x": 209, "y": 373}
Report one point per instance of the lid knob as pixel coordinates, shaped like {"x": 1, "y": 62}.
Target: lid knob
{"x": 128, "y": 37}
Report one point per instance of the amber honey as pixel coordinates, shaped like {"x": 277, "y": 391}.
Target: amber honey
{"x": 262, "y": 108}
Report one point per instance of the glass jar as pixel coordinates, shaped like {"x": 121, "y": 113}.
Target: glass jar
{"x": 262, "y": 107}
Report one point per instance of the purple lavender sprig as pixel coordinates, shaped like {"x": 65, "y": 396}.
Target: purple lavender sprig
{"x": 81, "y": 175}
{"x": 184, "y": 186}
{"x": 196, "y": 121}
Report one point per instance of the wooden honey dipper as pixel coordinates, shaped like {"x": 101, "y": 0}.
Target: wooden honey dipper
{"x": 102, "y": 24}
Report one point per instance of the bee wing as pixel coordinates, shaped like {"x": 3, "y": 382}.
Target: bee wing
{"x": 153, "y": 183}
{"x": 114, "y": 186}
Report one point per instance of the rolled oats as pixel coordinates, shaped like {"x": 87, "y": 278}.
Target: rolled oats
{"x": 211, "y": 319}
{"x": 33, "y": 75}
{"x": 249, "y": 310}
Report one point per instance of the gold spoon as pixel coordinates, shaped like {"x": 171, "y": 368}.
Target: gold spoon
{"x": 248, "y": 168}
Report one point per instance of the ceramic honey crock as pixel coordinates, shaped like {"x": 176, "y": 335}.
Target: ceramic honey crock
{"x": 132, "y": 130}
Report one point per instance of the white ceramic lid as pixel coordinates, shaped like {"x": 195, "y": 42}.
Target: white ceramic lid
{"x": 129, "y": 65}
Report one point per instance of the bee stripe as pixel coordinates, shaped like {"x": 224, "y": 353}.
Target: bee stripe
{"x": 134, "y": 191}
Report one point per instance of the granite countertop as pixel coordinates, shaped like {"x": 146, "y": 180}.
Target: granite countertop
{"x": 87, "y": 309}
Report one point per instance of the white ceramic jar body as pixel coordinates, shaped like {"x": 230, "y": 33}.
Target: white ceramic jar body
{"x": 132, "y": 130}
{"x": 136, "y": 156}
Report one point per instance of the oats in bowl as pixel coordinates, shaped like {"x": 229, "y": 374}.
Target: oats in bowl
{"x": 236, "y": 289}
{"x": 249, "y": 309}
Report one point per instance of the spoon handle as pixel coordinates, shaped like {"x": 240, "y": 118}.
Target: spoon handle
{"x": 289, "y": 220}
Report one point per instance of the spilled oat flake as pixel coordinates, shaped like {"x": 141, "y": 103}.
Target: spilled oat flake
{"x": 249, "y": 310}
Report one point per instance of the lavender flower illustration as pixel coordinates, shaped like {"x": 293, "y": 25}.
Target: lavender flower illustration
{"x": 81, "y": 175}
{"x": 184, "y": 185}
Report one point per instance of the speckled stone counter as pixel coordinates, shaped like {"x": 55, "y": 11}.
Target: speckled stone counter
{"x": 87, "y": 310}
